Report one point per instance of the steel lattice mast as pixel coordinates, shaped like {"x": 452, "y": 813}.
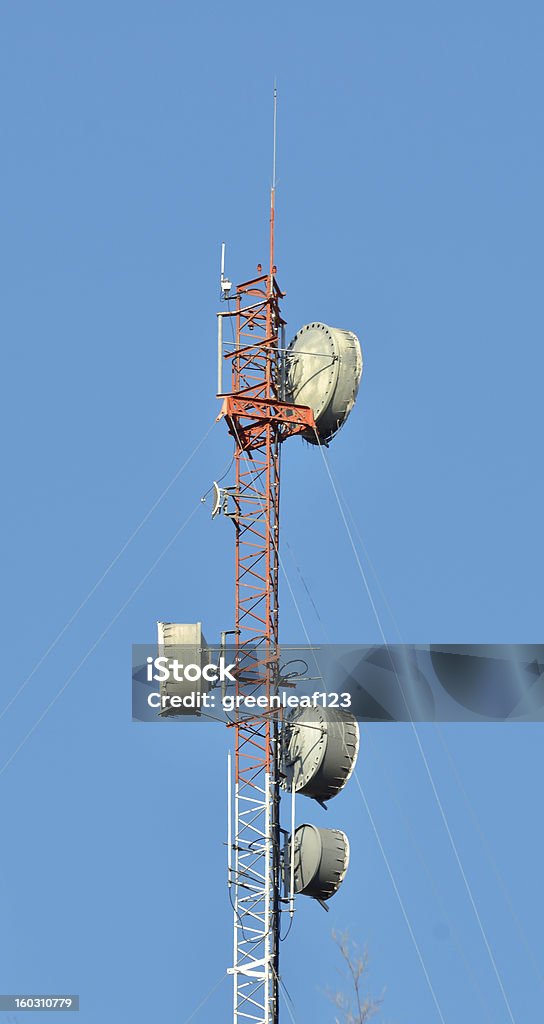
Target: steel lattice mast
{"x": 259, "y": 420}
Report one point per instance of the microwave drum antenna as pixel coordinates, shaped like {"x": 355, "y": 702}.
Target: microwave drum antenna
{"x": 185, "y": 643}
{"x": 320, "y": 748}
{"x": 321, "y": 858}
{"x": 324, "y": 366}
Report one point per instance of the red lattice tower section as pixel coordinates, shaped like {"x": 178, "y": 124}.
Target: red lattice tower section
{"x": 259, "y": 419}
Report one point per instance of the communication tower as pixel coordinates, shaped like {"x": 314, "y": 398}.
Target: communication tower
{"x": 273, "y": 393}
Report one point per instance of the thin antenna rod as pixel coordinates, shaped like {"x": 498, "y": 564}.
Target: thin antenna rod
{"x": 273, "y": 191}
{"x": 275, "y": 136}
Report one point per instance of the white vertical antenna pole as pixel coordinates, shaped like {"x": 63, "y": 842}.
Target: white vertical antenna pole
{"x": 268, "y": 963}
{"x": 292, "y": 857}
{"x": 229, "y": 818}
{"x": 236, "y": 894}
{"x": 219, "y": 353}
{"x": 222, "y": 261}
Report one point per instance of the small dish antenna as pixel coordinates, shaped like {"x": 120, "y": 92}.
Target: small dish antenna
{"x": 221, "y": 501}
{"x": 217, "y": 500}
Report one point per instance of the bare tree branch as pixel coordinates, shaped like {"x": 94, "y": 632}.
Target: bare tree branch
{"x": 354, "y": 1008}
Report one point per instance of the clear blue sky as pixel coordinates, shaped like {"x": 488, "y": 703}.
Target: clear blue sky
{"x": 135, "y": 138}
